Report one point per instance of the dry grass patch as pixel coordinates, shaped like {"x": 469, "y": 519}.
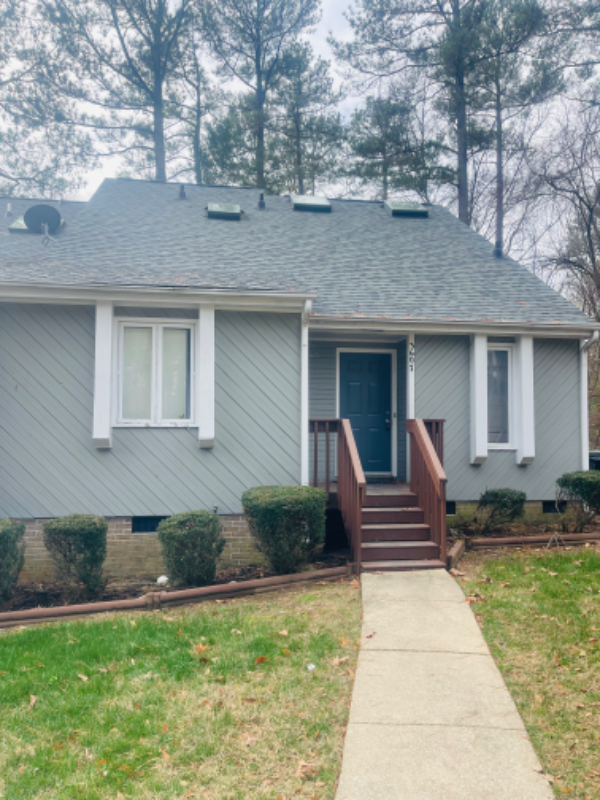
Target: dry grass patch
{"x": 240, "y": 699}
{"x": 540, "y": 614}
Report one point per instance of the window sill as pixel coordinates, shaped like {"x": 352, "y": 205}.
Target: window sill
{"x": 502, "y": 447}
{"x": 186, "y": 424}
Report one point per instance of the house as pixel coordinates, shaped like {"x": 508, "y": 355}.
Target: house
{"x": 164, "y": 348}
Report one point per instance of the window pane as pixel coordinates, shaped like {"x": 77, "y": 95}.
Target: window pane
{"x": 498, "y": 396}
{"x": 176, "y": 373}
{"x": 137, "y": 373}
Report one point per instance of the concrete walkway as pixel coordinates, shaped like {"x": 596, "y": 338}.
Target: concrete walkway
{"x": 431, "y": 717}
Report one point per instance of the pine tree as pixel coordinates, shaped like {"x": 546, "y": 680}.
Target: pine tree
{"x": 248, "y": 39}
{"x": 513, "y": 73}
{"x": 39, "y": 154}
{"x": 306, "y": 119}
{"x": 436, "y": 37}
{"x": 121, "y": 58}
{"x": 391, "y": 150}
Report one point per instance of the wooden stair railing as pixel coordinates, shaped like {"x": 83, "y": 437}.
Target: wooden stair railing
{"x": 428, "y": 481}
{"x": 351, "y": 482}
{"x": 435, "y": 429}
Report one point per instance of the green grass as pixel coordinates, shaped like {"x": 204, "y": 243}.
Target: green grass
{"x": 206, "y": 701}
{"x": 540, "y": 614}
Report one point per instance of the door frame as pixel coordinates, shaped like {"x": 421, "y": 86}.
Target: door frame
{"x": 394, "y": 405}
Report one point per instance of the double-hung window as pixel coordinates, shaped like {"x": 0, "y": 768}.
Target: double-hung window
{"x": 499, "y": 396}
{"x": 155, "y": 382}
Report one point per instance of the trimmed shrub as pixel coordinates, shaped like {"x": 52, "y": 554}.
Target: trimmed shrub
{"x": 12, "y": 555}
{"x": 77, "y": 546}
{"x": 498, "y": 507}
{"x": 287, "y": 523}
{"x": 582, "y": 491}
{"x": 191, "y": 543}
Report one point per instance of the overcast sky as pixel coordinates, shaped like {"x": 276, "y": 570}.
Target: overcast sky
{"x": 332, "y": 20}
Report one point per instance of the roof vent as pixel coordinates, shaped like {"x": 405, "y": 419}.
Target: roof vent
{"x": 404, "y": 208}
{"x": 224, "y": 211}
{"x": 308, "y": 202}
{"x": 38, "y": 219}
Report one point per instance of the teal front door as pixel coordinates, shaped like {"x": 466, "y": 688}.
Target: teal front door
{"x": 366, "y": 400}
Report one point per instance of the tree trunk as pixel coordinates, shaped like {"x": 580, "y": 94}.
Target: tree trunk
{"x": 160, "y": 158}
{"x": 299, "y": 165}
{"x": 498, "y": 248}
{"x": 197, "y": 148}
{"x": 260, "y": 137}
{"x": 384, "y": 174}
{"x": 461, "y": 118}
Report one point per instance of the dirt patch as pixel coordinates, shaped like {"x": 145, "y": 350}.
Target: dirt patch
{"x": 50, "y": 595}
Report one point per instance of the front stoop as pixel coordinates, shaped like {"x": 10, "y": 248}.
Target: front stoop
{"x": 394, "y": 534}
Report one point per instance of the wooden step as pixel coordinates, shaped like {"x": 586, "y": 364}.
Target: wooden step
{"x": 402, "y": 499}
{"x": 402, "y": 565}
{"x": 399, "y": 551}
{"x": 396, "y": 532}
{"x": 398, "y": 514}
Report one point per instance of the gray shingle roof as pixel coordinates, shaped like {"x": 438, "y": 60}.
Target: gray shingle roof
{"x": 361, "y": 260}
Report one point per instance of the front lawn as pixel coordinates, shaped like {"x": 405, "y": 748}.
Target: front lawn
{"x": 540, "y": 614}
{"x": 239, "y": 699}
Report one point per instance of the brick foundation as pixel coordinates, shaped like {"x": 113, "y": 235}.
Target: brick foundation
{"x": 135, "y": 555}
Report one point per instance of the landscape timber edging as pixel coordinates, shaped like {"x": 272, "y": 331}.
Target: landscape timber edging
{"x": 455, "y": 553}
{"x": 154, "y": 601}
{"x": 530, "y": 541}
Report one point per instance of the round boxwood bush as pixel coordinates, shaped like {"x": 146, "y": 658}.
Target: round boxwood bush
{"x": 287, "y": 523}
{"x": 582, "y": 490}
{"x": 12, "y": 555}
{"x": 77, "y": 546}
{"x": 191, "y": 544}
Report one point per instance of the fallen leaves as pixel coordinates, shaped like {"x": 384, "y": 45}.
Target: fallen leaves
{"x": 337, "y": 661}
{"x": 260, "y": 660}
{"x": 32, "y": 701}
{"x": 283, "y": 633}
{"x": 304, "y": 769}
{"x": 200, "y": 648}
{"x": 83, "y": 677}
{"x": 370, "y": 635}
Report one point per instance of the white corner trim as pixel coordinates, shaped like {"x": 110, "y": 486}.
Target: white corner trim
{"x": 479, "y": 401}
{"x": 585, "y": 418}
{"x": 411, "y": 368}
{"x": 411, "y": 363}
{"x": 524, "y": 401}
{"x": 304, "y": 397}
{"x": 102, "y": 426}
{"x": 205, "y": 376}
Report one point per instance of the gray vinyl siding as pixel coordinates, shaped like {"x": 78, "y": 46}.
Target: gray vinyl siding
{"x": 323, "y": 390}
{"x": 49, "y": 466}
{"x": 442, "y": 390}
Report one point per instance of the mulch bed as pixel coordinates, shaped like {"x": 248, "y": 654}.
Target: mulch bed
{"x": 50, "y": 595}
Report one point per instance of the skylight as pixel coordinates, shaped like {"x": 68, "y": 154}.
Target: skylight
{"x": 308, "y": 202}
{"x": 224, "y": 211}
{"x": 406, "y": 208}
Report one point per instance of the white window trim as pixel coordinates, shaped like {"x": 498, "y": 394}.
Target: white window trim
{"x": 156, "y": 324}
{"x": 510, "y": 445}
{"x": 521, "y": 409}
